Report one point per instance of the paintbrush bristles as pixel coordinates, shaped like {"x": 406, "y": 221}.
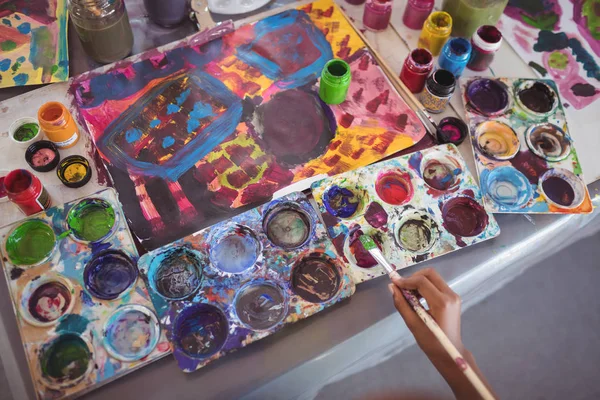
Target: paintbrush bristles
{"x": 368, "y": 242}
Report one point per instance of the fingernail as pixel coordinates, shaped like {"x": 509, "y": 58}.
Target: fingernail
{"x": 391, "y": 288}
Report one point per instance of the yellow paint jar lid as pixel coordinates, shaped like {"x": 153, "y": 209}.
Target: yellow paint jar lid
{"x": 74, "y": 171}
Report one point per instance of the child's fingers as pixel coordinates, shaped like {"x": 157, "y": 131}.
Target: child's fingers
{"x": 425, "y": 288}
{"x": 408, "y": 314}
{"x": 436, "y": 279}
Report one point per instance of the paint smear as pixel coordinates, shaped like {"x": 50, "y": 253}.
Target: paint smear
{"x": 394, "y": 187}
{"x": 548, "y": 141}
{"x": 131, "y": 333}
{"x": 176, "y": 273}
{"x": 65, "y": 360}
{"x": 315, "y": 278}
{"x": 91, "y": 219}
{"x": 30, "y": 243}
{"x": 108, "y": 274}
{"x": 235, "y": 251}
{"x": 200, "y": 330}
{"x": 497, "y": 140}
{"x": 537, "y": 97}
{"x": 341, "y": 202}
{"x": 507, "y": 187}
{"x": 463, "y": 216}
{"x": 487, "y": 96}
{"x": 439, "y": 175}
{"x": 260, "y": 306}
{"x": 49, "y": 301}
{"x": 376, "y": 216}
{"x": 287, "y": 227}
{"x": 362, "y": 258}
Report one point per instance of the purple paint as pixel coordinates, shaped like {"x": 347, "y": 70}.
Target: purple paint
{"x": 463, "y": 216}
{"x": 108, "y": 274}
{"x": 559, "y": 190}
{"x": 341, "y": 202}
{"x": 200, "y": 330}
{"x": 376, "y": 215}
{"x": 487, "y": 96}
{"x": 452, "y": 130}
{"x": 538, "y": 98}
{"x": 362, "y": 257}
{"x": 529, "y": 165}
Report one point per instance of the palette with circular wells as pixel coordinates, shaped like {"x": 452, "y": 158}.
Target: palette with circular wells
{"x": 415, "y": 207}
{"x": 524, "y": 154}
{"x": 238, "y": 281}
{"x": 84, "y": 316}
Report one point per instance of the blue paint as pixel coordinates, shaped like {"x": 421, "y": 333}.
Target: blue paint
{"x": 172, "y": 109}
{"x": 168, "y": 142}
{"x": 109, "y": 274}
{"x": 507, "y": 187}
{"x": 16, "y": 16}
{"x": 132, "y": 135}
{"x": 414, "y": 162}
{"x": 549, "y": 41}
{"x": 24, "y": 28}
{"x": 21, "y": 59}
{"x": 235, "y": 252}
{"x": 74, "y": 323}
{"x": 340, "y": 202}
{"x": 182, "y": 97}
{"x": 109, "y": 369}
{"x": 154, "y": 123}
{"x": 200, "y": 111}
{"x": 6, "y": 22}
{"x": 21, "y": 79}
{"x": 4, "y": 65}
{"x": 455, "y": 55}
{"x": 86, "y": 299}
{"x": 200, "y": 330}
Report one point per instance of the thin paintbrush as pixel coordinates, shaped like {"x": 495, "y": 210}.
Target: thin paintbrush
{"x": 412, "y": 299}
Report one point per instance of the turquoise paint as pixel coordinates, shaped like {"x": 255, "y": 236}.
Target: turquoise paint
{"x": 172, "y": 109}
{"x": 200, "y": 111}
{"x": 4, "y": 65}
{"x": 154, "y": 123}
{"x": 73, "y": 323}
{"x": 132, "y": 135}
{"x": 182, "y": 97}
{"x": 168, "y": 142}
{"x": 6, "y": 22}
{"x": 24, "y": 28}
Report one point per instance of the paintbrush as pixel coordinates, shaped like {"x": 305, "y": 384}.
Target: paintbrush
{"x": 411, "y": 297}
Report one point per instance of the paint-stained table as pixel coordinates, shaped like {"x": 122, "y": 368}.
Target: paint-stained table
{"x": 357, "y": 334}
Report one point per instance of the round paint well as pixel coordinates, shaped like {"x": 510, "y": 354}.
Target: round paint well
{"x": 536, "y": 98}
{"x": 200, "y": 330}
{"x": 507, "y": 187}
{"x": 463, "y": 216}
{"x": 488, "y": 97}
{"x": 316, "y": 278}
{"x": 355, "y": 252}
{"x": 287, "y": 225}
{"x": 260, "y": 305}
{"x": 548, "y": 141}
{"x": 91, "y": 220}
{"x": 416, "y": 231}
{"x": 343, "y": 202}
{"x": 131, "y": 333}
{"x": 496, "y": 140}
{"x": 45, "y": 300}
{"x": 65, "y": 360}
{"x": 562, "y": 188}
{"x": 234, "y": 251}
{"x": 109, "y": 274}
{"x": 176, "y": 273}
{"x": 441, "y": 171}
{"x": 30, "y": 243}
{"x": 452, "y": 130}
{"x": 394, "y": 187}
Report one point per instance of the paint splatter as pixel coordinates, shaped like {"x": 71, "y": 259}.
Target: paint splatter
{"x": 376, "y": 216}
{"x": 73, "y": 323}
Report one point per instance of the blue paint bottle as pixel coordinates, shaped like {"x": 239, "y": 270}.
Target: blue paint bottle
{"x": 455, "y": 56}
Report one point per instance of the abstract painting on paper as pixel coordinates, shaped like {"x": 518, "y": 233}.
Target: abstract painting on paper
{"x": 201, "y": 129}
{"x": 33, "y": 42}
{"x": 561, "y": 41}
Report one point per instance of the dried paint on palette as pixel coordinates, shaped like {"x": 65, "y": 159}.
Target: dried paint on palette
{"x": 33, "y": 42}
{"x": 524, "y": 153}
{"x": 200, "y": 130}
{"x": 227, "y": 286}
{"x": 415, "y": 207}
{"x": 84, "y": 316}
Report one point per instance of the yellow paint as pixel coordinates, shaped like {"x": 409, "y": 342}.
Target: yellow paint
{"x": 74, "y": 172}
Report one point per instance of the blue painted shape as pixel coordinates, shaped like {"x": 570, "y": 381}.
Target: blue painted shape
{"x": 182, "y": 97}
{"x": 185, "y": 158}
{"x": 200, "y": 111}
{"x": 172, "y": 109}
{"x": 168, "y": 142}
{"x": 73, "y": 323}
{"x": 154, "y": 123}
{"x": 24, "y": 28}
{"x": 6, "y": 22}
{"x": 21, "y": 79}
{"x": 271, "y": 69}
{"x": 4, "y": 65}
{"x": 507, "y": 187}
{"x": 132, "y": 135}
{"x": 16, "y": 16}
{"x": 21, "y": 59}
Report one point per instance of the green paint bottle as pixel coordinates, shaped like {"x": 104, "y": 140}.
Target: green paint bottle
{"x": 91, "y": 220}
{"x": 30, "y": 243}
{"x": 335, "y": 81}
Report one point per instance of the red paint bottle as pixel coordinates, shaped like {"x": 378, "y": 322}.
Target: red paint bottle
{"x": 416, "y": 69}
{"x": 416, "y": 12}
{"x": 26, "y": 191}
{"x": 377, "y": 14}
{"x": 485, "y": 42}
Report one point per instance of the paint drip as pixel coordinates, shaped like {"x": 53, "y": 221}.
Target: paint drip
{"x": 131, "y": 333}
{"x": 200, "y": 330}
{"x": 341, "y": 202}
{"x": 497, "y": 140}
{"x": 440, "y": 175}
{"x": 30, "y": 243}
{"x": 487, "y": 96}
{"x": 548, "y": 141}
{"x": 463, "y": 216}
{"x": 538, "y": 98}
{"x": 235, "y": 251}
{"x": 559, "y": 190}
{"x": 260, "y": 306}
{"x": 394, "y": 187}
{"x": 49, "y": 302}
{"x": 109, "y": 274}
{"x": 376, "y": 216}
{"x": 287, "y": 227}
{"x": 362, "y": 258}
{"x": 65, "y": 360}
{"x": 176, "y": 274}
{"x": 316, "y": 279}
{"x": 91, "y": 220}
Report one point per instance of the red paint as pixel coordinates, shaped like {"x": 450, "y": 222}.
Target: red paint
{"x": 394, "y": 187}
{"x": 532, "y": 166}
{"x": 401, "y": 121}
{"x": 374, "y": 104}
{"x": 346, "y": 120}
{"x": 416, "y": 69}
{"x": 357, "y": 95}
{"x": 26, "y": 191}
{"x": 2, "y": 189}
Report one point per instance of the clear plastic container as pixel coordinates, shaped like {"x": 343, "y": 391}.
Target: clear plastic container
{"x": 468, "y": 15}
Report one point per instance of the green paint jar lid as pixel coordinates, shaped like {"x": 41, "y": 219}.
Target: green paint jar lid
{"x": 31, "y": 243}
{"x": 74, "y": 171}
{"x": 335, "y": 81}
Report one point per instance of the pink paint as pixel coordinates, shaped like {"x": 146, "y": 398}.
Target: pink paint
{"x": 377, "y": 14}
{"x": 416, "y": 12}
{"x": 42, "y": 157}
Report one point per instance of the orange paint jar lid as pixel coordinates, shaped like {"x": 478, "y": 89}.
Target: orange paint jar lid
{"x": 58, "y": 124}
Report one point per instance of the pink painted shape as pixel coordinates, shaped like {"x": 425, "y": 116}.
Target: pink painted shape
{"x": 148, "y": 210}
{"x": 186, "y": 208}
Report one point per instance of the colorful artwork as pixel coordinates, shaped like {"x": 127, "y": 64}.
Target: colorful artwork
{"x": 524, "y": 153}
{"x": 227, "y": 286}
{"x": 84, "y": 316}
{"x": 415, "y": 207}
{"x": 33, "y": 42}
{"x": 191, "y": 132}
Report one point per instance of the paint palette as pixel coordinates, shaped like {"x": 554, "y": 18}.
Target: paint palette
{"x": 85, "y": 317}
{"x": 236, "y": 282}
{"x": 416, "y": 207}
{"x": 524, "y": 154}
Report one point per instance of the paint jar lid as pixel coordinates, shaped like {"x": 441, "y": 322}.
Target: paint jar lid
{"x": 42, "y": 162}
{"x": 74, "y": 171}
{"x": 30, "y": 133}
{"x": 441, "y": 83}
{"x": 487, "y": 38}
{"x": 452, "y": 130}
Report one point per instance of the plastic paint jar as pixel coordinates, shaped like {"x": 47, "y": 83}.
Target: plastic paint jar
{"x": 25, "y": 131}
{"x": 355, "y": 2}
{"x": 335, "y": 81}
{"x": 486, "y": 41}
{"x": 59, "y": 126}
{"x": 455, "y": 56}
{"x": 26, "y": 191}
{"x": 468, "y": 15}
{"x": 416, "y": 69}
{"x": 416, "y": 12}
{"x": 377, "y": 14}
{"x": 436, "y": 30}
{"x": 438, "y": 91}
{"x": 167, "y": 13}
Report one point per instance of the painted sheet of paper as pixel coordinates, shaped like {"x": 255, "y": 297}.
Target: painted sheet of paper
{"x": 192, "y": 133}
{"x": 560, "y": 39}
{"x": 33, "y": 42}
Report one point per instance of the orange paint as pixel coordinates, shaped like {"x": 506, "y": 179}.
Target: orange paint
{"x": 58, "y": 124}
